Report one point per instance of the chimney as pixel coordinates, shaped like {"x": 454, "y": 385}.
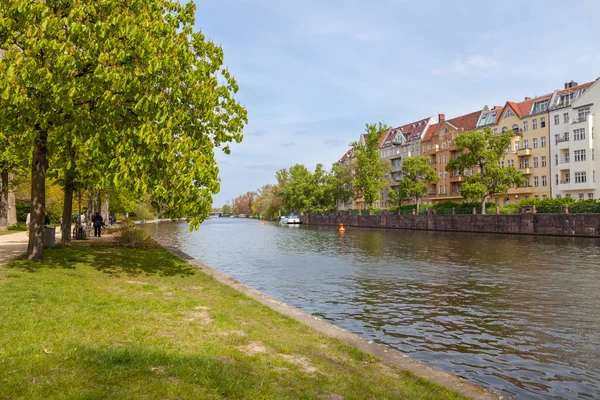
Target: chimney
{"x": 572, "y": 84}
{"x": 566, "y": 85}
{"x": 441, "y": 117}
{"x": 527, "y": 98}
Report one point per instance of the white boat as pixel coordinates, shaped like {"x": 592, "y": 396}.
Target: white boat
{"x": 293, "y": 219}
{"x": 283, "y": 219}
{"x": 242, "y": 215}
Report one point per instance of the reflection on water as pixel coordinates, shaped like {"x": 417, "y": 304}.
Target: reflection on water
{"x": 518, "y": 314}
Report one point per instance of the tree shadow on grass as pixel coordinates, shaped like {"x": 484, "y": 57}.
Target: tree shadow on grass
{"x": 129, "y": 370}
{"x": 111, "y": 260}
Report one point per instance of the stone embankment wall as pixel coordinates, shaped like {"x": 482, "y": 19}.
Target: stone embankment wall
{"x": 524, "y": 224}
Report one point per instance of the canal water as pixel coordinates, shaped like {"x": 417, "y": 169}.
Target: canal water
{"x": 517, "y": 314}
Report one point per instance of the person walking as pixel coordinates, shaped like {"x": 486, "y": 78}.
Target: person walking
{"x": 97, "y": 221}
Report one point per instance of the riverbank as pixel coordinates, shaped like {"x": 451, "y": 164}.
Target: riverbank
{"x": 98, "y": 321}
{"x": 582, "y": 225}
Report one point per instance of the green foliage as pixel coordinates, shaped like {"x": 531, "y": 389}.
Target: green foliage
{"x": 301, "y": 190}
{"x": 341, "y": 183}
{"x": 130, "y": 236}
{"x": 370, "y": 169}
{"x": 484, "y": 150}
{"x": 417, "y": 172}
{"x": 143, "y": 212}
{"x": 129, "y": 85}
{"x": 53, "y": 209}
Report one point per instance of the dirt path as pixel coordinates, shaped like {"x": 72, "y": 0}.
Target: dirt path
{"x": 12, "y": 245}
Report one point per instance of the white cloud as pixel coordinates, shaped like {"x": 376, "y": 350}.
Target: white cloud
{"x": 469, "y": 64}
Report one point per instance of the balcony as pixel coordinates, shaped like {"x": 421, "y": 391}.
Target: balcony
{"x": 521, "y": 189}
{"x": 518, "y": 132}
{"x": 526, "y": 171}
{"x": 457, "y": 178}
{"x": 523, "y": 152}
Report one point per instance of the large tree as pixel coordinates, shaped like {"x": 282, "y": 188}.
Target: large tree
{"x": 417, "y": 172}
{"x": 130, "y": 81}
{"x": 370, "y": 170}
{"x": 341, "y": 183}
{"x": 484, "y": 150}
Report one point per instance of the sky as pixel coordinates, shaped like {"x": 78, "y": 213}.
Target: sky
{"x": 312, "y": 73}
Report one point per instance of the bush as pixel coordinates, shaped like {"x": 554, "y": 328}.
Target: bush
{"x": 53, "y": 210}
{"x": 130, "y": 236}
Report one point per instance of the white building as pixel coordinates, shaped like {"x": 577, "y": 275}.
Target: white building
{"x": 574, "y": 167}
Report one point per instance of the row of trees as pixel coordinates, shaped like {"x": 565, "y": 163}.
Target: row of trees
{"x": 113, "y": 94}
{"x": 298, "y": 189}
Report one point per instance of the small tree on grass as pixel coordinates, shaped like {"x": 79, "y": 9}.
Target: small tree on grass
{"x": 485, "y": 150}
{"x": 371, "y": 170}
{"x": 417, "y": 172}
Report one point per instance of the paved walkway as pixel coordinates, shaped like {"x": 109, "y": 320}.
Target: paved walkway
{"x": 12, "y": 245}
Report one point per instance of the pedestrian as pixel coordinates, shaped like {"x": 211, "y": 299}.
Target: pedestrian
{"x": 97, "y": 221}
{"x": 28, "y": 222}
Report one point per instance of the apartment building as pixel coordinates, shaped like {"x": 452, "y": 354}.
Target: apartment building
{"x": 529, "y": 149}
{"x": 573, "y": 159}
{"x": 439, "y": 145}
{"x": 397, "y": 144}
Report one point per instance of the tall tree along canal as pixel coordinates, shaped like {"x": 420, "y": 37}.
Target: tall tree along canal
{"x": 517, "y": 314}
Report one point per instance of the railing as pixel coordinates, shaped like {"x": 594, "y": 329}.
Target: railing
{"x": 561, "y": 140}
{"x": 579, "y": 120}
{"x": 566, "y": 182}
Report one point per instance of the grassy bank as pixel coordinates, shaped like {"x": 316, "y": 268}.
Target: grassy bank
{"x": 99, "y": 322}
{"x": 13, "y": 229}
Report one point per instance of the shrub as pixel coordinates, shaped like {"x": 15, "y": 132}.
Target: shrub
{"x": 130, "y": 236}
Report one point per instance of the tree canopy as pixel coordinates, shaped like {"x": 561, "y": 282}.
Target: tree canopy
{"x": 485, "y": 150}
{"x": 370, "y": 170}
{"x": 132, "y": 85}
{"x": 416, "y": 173}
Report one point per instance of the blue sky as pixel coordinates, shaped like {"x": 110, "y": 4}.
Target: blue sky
{"x": 313, "y": 72}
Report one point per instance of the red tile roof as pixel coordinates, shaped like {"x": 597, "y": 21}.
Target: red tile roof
{"x": 411, "y": 131}
{"x": 463, "y": 123}
{"x": 583, "y": 85}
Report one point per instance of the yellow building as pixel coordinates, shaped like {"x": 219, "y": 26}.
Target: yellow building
{"x": 529, "y": 151}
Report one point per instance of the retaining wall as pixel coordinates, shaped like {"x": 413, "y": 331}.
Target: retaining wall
{"x": 524, "y": 224}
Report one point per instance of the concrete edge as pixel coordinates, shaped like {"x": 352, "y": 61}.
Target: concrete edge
{"x": 386, "y": 354}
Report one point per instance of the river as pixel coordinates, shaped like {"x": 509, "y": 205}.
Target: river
{"x": 517, "y": 314}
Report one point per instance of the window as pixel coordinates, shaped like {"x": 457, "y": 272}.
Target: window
{"x": 543, "y": 161}
{"x": 579, "y": 155}
{"x": 525, "y": 126}
{"x": 567, "y": 156}
{"x": 543, "y": 141}
{"x": 568, "y": 195}
{"x": 558, "y": 196}
{"x": 543, "y": 122}
{"x": 544, "y": 197}
{"x": 580, "y": 196}
{"x": 509, "y": 113}
{"x": 440, "y": 174}
{"x": 556, "y": 119}
{"x": 540, "y": 106}
{"x": 495, "y": 131}
{"x": 579, "y": 134}
{"x": 535, "y": 162}
{"x": 424, "y": 148}
{"x": 566, "y": 118}
{"x": 445, "y": 158}
{"x": 502, "y": 164}
{"x": 534, "y": 124}
{"x": 591, "y": 196}
{"x": 535, "y": 181}
{"x": 517, "y": 143}
{"x": 582, "y": 114}
{"x": 556, "y": 159}
{"x": 580, "y": 177}
{"x": 504, "y": 129}
{"x": 544, "y": 180}
{"x": 525, "y": 144}
{"x": 534, "y": 143}
{"x": 445, "y": 174}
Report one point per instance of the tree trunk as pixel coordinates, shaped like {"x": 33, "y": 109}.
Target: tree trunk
{"x": 12, "y": 206}
{"x": 104, "y": 207}
{"x": 483, "y": 206}
{"x": 35, "y": 249}
{"x": 4, "y": 201}
{"x": 88, "y": 211}
{"x": 67, "y": 211}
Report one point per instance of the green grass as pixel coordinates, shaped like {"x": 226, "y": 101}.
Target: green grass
{"x": 21, "y": 227}
{"x": 97, "y": 322}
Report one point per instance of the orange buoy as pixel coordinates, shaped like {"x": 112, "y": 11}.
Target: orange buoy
{"x": 262, "y": 222}
{"x": 342, "y": 229}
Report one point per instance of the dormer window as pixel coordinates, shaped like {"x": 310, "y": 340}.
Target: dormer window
{"x": 540, "y": 106}
{"x": 509, "y": 113}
